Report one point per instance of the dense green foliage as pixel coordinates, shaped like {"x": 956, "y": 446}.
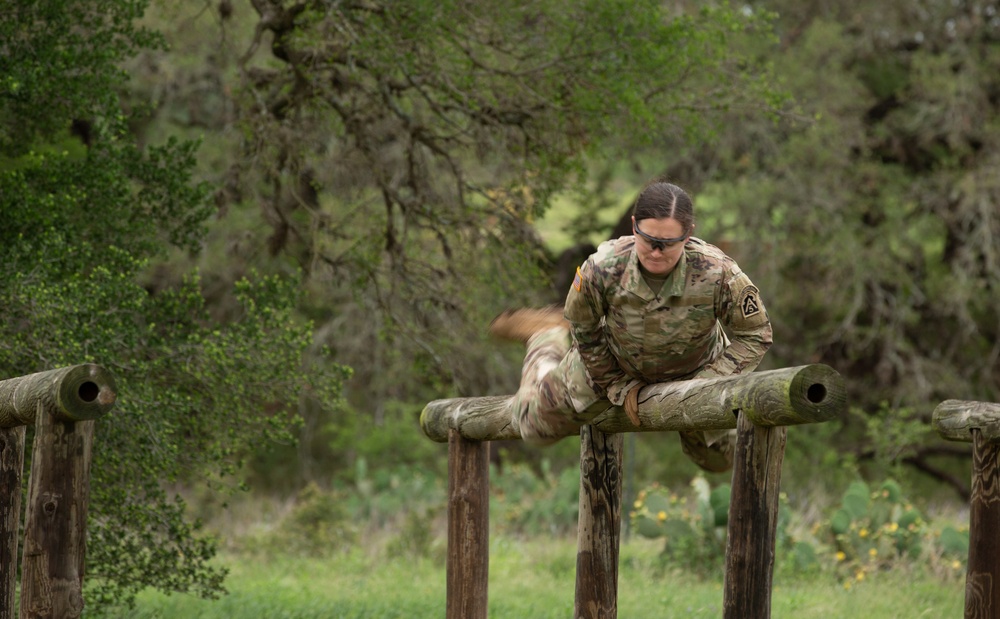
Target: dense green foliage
{"x": 872, "y": 228}
{"x": 84, "y": 211}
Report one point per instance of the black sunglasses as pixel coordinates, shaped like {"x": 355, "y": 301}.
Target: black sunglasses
{"x": 657, "y": 243}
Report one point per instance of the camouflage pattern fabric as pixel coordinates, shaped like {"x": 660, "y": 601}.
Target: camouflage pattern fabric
{"x": 628, "y": 335}
{"x": 555, "y": 397}
{"x": 624, "y": 334}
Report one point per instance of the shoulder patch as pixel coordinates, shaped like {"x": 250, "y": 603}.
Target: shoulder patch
{"x": 577, "y": 280}
{"x": 749, "y": 301}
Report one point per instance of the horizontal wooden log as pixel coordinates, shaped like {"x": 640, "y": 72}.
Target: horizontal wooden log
{"x": 74, "y": 393}
{"x": 789, "y": 396}
{"x": 955, "y": 420}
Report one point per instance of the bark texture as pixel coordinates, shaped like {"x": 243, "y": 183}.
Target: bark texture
{"x": 982, "y": 582}
{"x": 599, "y": 529}
{"x": 753, "y": 520}
{"x": 11, "y": 467}
{"x": 56, "y": 521}
{"x": 468, "y": 527}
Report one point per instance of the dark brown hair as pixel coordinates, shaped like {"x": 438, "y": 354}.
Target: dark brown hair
{"x": 660, "y": 199}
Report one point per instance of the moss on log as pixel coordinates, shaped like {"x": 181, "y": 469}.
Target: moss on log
{"x": 790, "y": 396}
{"x": 74, "y": 393}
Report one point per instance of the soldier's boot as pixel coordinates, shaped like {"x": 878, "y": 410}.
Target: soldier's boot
{"x": 710, "y": 450}
{"x": 519, "y": 325}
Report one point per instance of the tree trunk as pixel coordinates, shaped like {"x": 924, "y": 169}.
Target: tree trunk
{"x": 753, "y": 520}
{"x": 11, "y": 467}
{"x": 56, "y": 522}
{"x": 599, "y": 528}
{"x": 790, "y": 396}
{"x": 468, "y": 527}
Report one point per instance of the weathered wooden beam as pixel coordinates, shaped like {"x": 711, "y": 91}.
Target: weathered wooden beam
{"x": 790, "y": 396}
{"x": 74, "y": 393}
{"x": 468, "y": 528}
{"x": 599, "y": 527}
{"x": 11, "y": 468}
{"x": 954, "y": 420}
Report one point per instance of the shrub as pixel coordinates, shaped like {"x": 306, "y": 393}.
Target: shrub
{"x": 693, "y": 526}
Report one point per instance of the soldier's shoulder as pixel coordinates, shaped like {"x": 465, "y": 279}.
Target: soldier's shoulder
{"x": 614, "y": 251}
{"x": 708, "y": 253}
{"x": 705, "y": 256}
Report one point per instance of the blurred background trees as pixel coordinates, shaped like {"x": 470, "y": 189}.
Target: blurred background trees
{"x": 229, "y": 211}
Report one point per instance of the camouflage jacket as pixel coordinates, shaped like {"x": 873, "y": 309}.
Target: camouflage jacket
{"x": 627, "y": 335}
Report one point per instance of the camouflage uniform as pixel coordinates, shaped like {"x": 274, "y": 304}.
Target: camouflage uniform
{"x": 624, "y": 334}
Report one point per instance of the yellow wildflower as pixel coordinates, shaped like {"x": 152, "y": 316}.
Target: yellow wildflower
{"x": 860, "y": 575}
{"x": 872, "y": 553}
{"x": 956, "y": 564}
{"x": 892, "y": 527}
{"x": 863, "y": 532}
{"x": 840, "y": 555}
{"x": 661, "y": 516}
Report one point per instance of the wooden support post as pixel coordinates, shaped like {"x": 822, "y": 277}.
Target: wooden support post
{"x": 599, "y": 528}
{"x": 11, "y": 467}
{"x": 982, "y": 581}
{"x": 753, "y": 520}
{"x": 468, "y": 527}
{"x": 979, "y": 422}
{"x": 56, "y": 518}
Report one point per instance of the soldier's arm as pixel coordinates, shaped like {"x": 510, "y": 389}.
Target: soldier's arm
{"x": 742, "y": 313}
{"x": 585, "y": 308}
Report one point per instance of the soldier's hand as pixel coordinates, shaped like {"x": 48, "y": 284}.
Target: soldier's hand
{"x": 631, "y": 405}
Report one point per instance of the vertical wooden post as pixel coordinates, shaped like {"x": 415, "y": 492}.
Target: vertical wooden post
{"x": 599, "y": 528}
{"x": 982, "y": 582}
{"x": 11, "y": 467}
{"x": 468, "y": 527}
{"x": 56, "y": 520}
{"x": 753, "y": 520}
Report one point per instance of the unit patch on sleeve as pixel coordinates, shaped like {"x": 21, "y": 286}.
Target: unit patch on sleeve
{"x": 749, "y": 302}
{"x": 577, "y": 280}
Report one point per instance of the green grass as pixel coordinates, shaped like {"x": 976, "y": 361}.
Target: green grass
{"x": 532, "y": 579}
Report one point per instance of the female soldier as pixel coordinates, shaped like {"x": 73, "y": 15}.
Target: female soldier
{"x": 643, "y": 309}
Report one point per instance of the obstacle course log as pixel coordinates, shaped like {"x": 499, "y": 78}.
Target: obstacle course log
{"x": 74, "y": 393}
{"x": 789, "y": 396}
{"x": 954, "y": 420}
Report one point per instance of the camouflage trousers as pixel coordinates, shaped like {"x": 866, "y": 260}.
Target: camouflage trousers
{"x": 555, "y": 398}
